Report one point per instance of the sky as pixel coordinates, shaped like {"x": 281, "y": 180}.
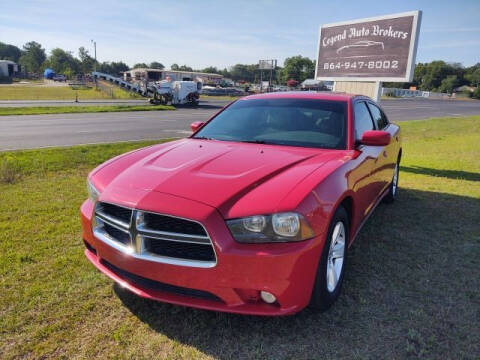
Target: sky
{"x": 224, "y": 33}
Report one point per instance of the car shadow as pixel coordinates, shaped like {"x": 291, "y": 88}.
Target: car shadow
{"x": 398, "y": 299}
{"x": 450, "y": 174}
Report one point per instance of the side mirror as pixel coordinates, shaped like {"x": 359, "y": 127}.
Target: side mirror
{"x": 196, "y": 125}
{"x": 375, "y": 138}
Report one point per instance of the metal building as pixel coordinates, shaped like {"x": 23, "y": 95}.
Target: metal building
{"x": 8, "y": 68}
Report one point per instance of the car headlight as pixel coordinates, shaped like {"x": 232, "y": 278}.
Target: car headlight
{"x": 93, "y": 193}
{"x": 280, "y": 227}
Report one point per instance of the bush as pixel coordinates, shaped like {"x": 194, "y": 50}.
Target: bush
{"x": 10, "y": 172}
{"x": 476, "y": 93}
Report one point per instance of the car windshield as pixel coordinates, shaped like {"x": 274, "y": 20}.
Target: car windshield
{"x": 293, "y": 122}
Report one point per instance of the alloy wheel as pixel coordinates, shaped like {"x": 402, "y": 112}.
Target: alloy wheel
{"x": 336, "y": 255}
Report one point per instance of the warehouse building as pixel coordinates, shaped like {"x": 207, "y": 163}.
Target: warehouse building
{"x": 157, "y": 75}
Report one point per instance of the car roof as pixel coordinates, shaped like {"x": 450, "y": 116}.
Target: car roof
{"x": 318, "y": 95}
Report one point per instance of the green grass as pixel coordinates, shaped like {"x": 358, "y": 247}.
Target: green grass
{"x": 411, "y": 291}
{"x": 57, "y": 93}
{"x": 116, "y": 92}
{"x": 219, "y": 98}
{"x": 36, "y": 110}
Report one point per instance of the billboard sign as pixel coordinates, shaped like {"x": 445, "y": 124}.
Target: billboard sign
{"x": 267, "y": 64}
{"x": 375, "y": 49}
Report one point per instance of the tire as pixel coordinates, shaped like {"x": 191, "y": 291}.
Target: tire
{"x": 393, "y": 188}
{"x": 326, "y": 290}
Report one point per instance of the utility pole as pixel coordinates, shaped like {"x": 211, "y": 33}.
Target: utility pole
{"x": 95, "y": 52}
{"x": 95, "y": 63}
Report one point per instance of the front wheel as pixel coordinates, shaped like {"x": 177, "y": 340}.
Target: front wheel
{"x": 331, "y": 268}
{"x": 393, "y": 188}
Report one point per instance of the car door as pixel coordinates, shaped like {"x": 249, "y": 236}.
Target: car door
{"x": 386, "y": 162}
{"x": 367, "y": 184}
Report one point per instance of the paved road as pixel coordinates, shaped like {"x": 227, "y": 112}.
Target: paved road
{"x": 414, "y": 109}
{"x": 33, "y": 131}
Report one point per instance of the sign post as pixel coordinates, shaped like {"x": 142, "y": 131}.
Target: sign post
{"x": 359, "y": 54}
{"x": 266, "y": 65}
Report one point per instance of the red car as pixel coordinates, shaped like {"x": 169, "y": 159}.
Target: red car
{"x": 254, "y": 212}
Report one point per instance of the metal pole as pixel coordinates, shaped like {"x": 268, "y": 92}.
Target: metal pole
{"x": 95, "y": 52}
{"x": 95, "y": 64}
{"x": 261, "y": 80}
{"x": 270, "y": 82}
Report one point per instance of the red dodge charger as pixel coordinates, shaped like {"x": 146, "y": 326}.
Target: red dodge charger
{"x": 254, "y": 213}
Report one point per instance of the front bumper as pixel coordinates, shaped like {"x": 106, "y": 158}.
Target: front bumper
{"x": 286, "y": 270}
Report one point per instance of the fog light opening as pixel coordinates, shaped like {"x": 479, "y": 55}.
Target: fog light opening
{"x": 269, "y": 298}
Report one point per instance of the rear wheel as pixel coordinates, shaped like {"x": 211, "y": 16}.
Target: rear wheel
{"x": 331, "y": 269}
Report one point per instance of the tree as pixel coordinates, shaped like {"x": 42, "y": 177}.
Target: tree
{"x": 140, "y": 65}
{"x": 435, "y": 72}
{"x": 242, "y": 72}
{"x": 86, "y": 61}
{"x": 157, "y": 65}
{"x": 175, "y": 67}
{"x": 476, "y": 93}
{"x": 33, "y": 57}
{"x": 297, "y": 68}
{"x": 211, "y": 70}
{"x": 63, "y": 62}
{"x": 472, "y": 75}
{"x": 448, "y": 84}
{"x": 9, "y": 52}
{"x": 113, "y": 68}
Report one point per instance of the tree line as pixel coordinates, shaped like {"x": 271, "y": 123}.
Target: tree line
{"x": 33, "y": 58}
{"x": 441, "y": 77}
{"x": 434, "y": 76}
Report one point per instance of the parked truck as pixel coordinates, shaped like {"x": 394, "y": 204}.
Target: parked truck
{"x": 174, "y": 92}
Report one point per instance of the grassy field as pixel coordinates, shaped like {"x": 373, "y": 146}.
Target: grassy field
{"x": 36, "y": 110}
{"x": 219, "y": 98}
{"x": 412, "y": 287}
{"x": 58, "y": 93}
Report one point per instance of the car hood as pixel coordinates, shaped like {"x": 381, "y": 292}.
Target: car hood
{"x": 216, "y": 173}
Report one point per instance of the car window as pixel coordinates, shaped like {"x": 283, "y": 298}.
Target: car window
{"x": 378, "y": 116}
{"x": 284, "y": 121}
{"x": 363, "y": 120}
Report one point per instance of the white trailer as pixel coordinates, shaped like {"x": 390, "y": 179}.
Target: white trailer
{"x": 159, "y": 92}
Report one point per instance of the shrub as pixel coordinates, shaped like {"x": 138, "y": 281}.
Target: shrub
{"x": 10, "y": 172}
{"x": 476, "y": 93}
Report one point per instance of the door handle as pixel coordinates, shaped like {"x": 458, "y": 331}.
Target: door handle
{"x": 384, "y": 154}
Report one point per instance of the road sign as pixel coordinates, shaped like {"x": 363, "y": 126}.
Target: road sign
{"x": 374, "y": 49}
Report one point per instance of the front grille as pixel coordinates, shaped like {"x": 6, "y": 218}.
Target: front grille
{"x": 171, "y": 224}
{"x": 159, "y": 286}
{"x": 121, "y": 213}
{"x": 154, "y": 237}
{"x": 117, "y": 234}
{"x": 179, "y": 249}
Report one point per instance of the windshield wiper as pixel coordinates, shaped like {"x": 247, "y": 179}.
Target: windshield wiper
{"x": 202, "y": 138}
